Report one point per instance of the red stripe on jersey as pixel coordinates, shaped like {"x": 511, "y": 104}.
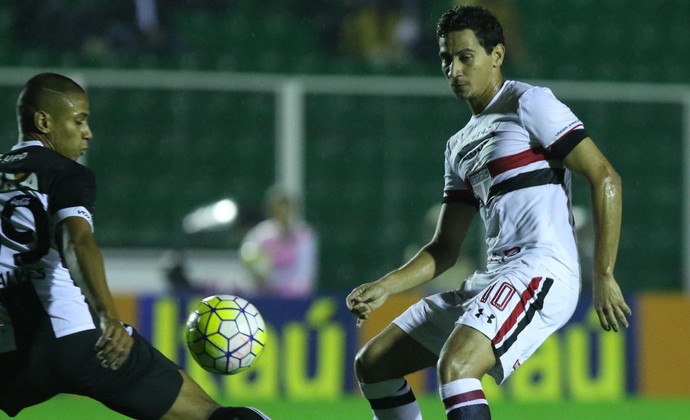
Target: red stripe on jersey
{"x": 464, "y": 397}
{"x": 526, "y": 296}
{"x": 506, "y": 163}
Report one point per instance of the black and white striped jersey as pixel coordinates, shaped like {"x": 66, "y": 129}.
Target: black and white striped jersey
{"x": 38, "y": 189}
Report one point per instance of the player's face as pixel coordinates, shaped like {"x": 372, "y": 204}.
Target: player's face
{"x": 70, "y": 132}
{"x": 471, "y": 72}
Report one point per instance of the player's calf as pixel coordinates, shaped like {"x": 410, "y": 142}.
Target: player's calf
{"x": 392, "y": 399}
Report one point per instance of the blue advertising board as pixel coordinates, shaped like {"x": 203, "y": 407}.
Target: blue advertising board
{"x": 308, "y": 355}
{"x": 311, "y": 346}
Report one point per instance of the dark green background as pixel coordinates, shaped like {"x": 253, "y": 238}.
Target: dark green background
{"x": 373, "y": 164}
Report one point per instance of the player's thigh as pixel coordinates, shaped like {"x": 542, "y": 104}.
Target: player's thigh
{"x": 192, "y": 402}
{"x": 517, "y": 313}
{"x": 468, "y": 353}
{"x": 144, "y": 387}
{"x": 392, "y": 354}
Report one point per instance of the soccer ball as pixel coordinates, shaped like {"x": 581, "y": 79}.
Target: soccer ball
{"x": 225, "y": 334}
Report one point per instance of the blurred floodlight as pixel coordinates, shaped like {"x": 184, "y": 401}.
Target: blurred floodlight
{"x": 211, "y": 217}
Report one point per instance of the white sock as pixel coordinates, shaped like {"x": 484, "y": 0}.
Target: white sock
{"x": 464, "y": 398}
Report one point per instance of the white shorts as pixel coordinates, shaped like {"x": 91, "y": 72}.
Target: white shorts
{"x": 517, "y": 308}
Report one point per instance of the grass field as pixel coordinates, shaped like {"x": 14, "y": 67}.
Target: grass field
{"x": 77, "y": 408}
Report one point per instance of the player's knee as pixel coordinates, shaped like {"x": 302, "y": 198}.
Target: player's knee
{"x": 451, "y": 367}
{"x": 366, "y": 362}
{"x": 362, "y": 363}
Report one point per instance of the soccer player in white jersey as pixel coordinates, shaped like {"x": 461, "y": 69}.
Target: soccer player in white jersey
{"x": 511, "y": 164}
{"x": 60, "y": 331}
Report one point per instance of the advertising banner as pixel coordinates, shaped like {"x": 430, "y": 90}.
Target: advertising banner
{"x": 308, "y": 354}
{"x": 312, "y": 343}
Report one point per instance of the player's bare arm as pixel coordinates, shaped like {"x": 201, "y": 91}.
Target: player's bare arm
{"x": 85, "y": 263}
{"x": 433, "y": 259}
{"x": 606, "y": 190}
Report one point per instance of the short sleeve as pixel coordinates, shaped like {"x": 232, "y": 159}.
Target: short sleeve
{"x": 455, "y": 189}
{"x": 550, "y": 122}
{"x": 73, "y": 194}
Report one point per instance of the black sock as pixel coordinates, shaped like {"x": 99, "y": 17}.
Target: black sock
{"x": 237, "y": 413}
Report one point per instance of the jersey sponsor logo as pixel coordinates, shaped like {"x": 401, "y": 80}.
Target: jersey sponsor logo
{"x": 512, "y": 251}
{"x": 479, "y": 134}
{"x": 568, "y": 127}
{"x": 488, "y": 318}
{"x": 13, "y": 158}
{"x": 24, "y": 222}
{"x": 75, "y": 211}
{"x": 21, "y": 201}
{"x": 472, "y": 147}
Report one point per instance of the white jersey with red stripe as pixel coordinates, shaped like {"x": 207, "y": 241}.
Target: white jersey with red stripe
{"x": 507, "y": 161}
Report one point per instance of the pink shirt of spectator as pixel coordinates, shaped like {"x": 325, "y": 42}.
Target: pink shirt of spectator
{"x": 283, "y": 261}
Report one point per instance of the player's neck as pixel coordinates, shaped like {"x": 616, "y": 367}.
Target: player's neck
{"x": 480, "y": 102}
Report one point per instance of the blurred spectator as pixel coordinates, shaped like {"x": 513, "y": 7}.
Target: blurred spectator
{"x": 174, "y": 265}
{"x": 381, "y": 31}
{"x": 281, "y": 252}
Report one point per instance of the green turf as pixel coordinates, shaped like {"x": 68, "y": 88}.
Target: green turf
{"x": 77, "y": 408}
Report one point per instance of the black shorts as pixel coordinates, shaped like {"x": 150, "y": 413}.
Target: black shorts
{"x": 145, "y": 387}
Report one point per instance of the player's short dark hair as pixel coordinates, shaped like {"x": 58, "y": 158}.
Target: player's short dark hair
{"x": 480, "y": 20}
{"x": 34, "y": 95}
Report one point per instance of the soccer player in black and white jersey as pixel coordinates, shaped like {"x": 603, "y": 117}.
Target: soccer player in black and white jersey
{"x": 60, "y": 331}
{"x": 511, "y": 164}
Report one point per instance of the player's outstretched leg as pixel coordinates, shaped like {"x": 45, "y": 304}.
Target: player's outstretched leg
{"x": 194, "y": 403}
{"x": 381, "y": 366}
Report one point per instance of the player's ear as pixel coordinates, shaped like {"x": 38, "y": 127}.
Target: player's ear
{"x": 498, "y": 54}
{"x": 42, "y": 121}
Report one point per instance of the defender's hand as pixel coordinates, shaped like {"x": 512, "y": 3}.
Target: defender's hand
{"x": 609, "y": 303}
{"x": 365, "y": 299}
{"x": 114, "y": 345}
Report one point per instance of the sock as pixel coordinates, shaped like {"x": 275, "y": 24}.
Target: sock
{"x": 237, "y": 413}
{"x": 391, "y": 400}
{"x": 464, "y": 399}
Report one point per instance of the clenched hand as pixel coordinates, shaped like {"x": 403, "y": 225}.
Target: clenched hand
{"x": 114, "y": 345}
{"x": 365, "y": 299}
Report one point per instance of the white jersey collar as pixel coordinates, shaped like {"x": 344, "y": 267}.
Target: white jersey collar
{"x": 497, "y": 95}
{"x": 27, "y": 143}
